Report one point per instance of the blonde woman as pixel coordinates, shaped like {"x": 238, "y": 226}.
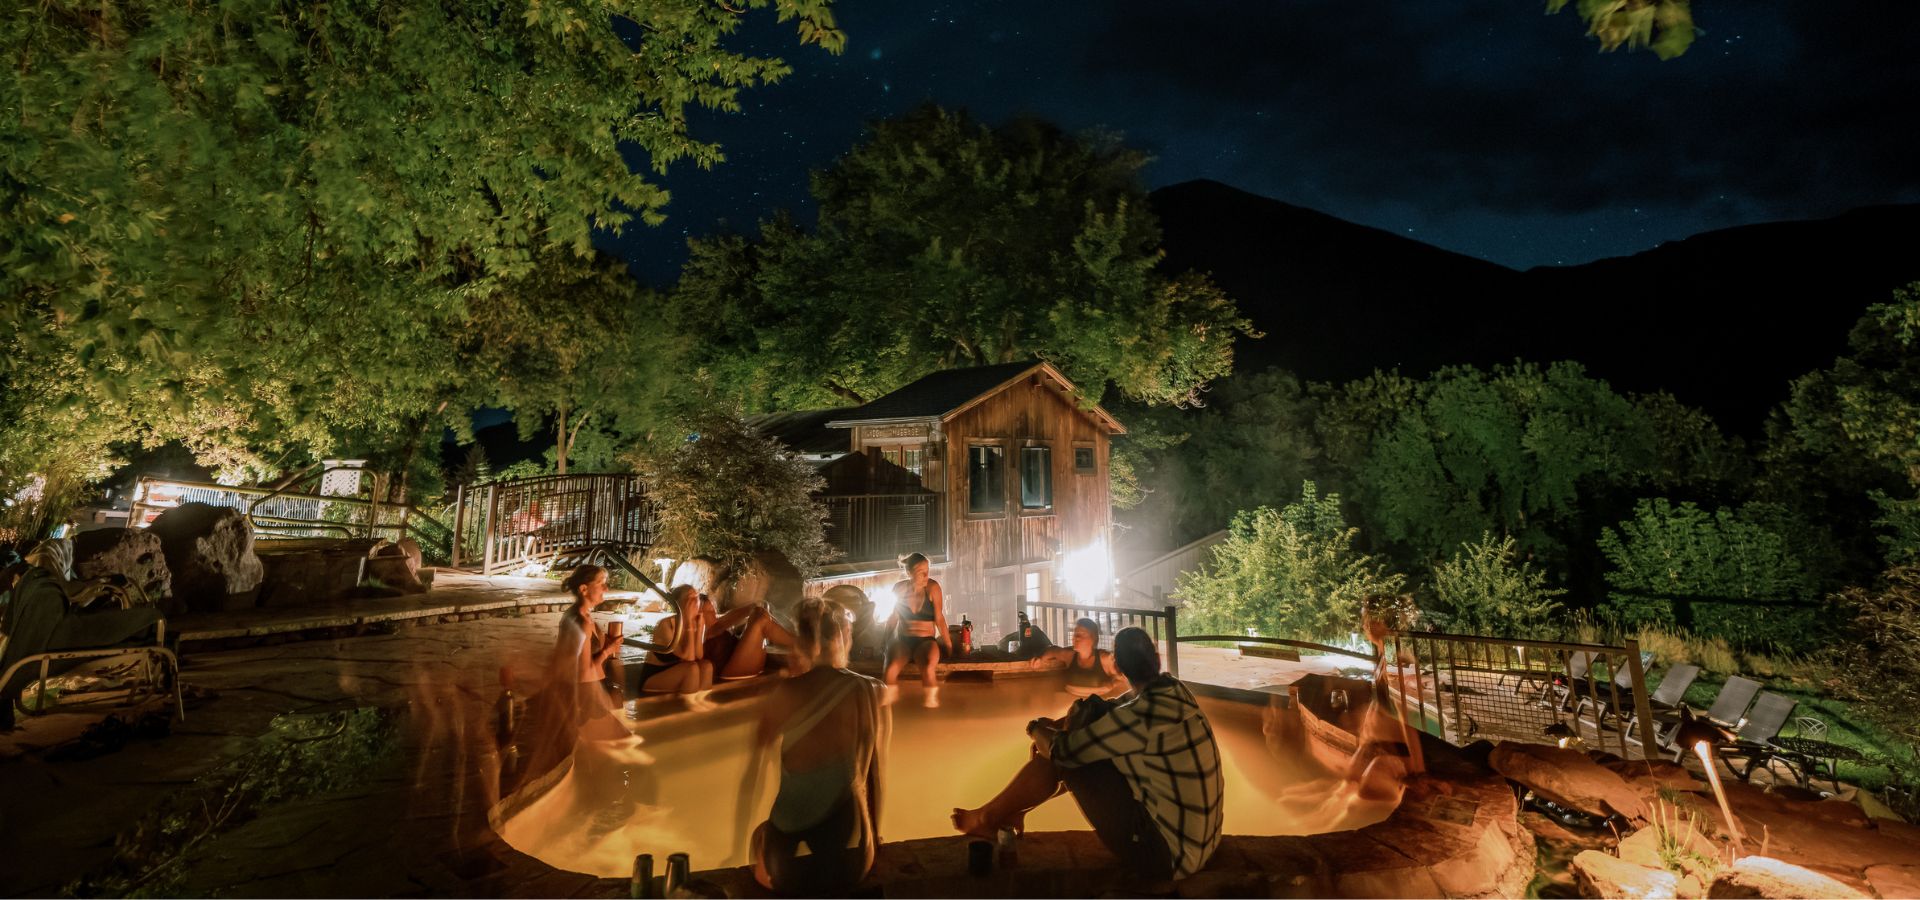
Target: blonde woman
{"x": 682, "y": 668}
{"x": 832, "y": 732}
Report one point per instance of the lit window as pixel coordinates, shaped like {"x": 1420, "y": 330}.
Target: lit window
{"x": 986, "y": 478}
{"x": 1036, "y": 478}
{"x": 908, "y": 458}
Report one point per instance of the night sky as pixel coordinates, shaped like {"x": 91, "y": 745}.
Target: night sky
{"x": 1480, "y": 126}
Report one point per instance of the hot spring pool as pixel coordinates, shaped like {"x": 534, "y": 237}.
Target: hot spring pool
{"x": 681, "y": 783}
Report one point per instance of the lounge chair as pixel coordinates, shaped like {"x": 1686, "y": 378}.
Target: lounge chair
{"x": 1602, "y": 698}
{"x": 1729, "y": 707}
{"x": 1753, "y": 741}
{"x": 1579, "y": 662}
{"x": 1666, "y": 698}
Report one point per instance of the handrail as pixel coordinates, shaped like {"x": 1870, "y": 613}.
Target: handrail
{"x": 1284, "y": 642}
{"x": 1118, "y": 610}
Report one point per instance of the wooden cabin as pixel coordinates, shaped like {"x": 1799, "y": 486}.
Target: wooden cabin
{"x": 997, "y": 473}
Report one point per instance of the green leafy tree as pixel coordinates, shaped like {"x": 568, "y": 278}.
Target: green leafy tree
{"x": 280, "y": 217}
{"x": 941, "y": 243}
{"x": 1746, "y": 558}
{"x": 1485, "y": 588}
{"x": 1880, "y": 664}
{"x": 1292, "y": 572}
{"x": 1664, "y": 26}
{"x": 575, "y": 349}
{"x": 1844, "y": 448}
{"x": 1546, "y": 455}
{"x": 729, "y": 492}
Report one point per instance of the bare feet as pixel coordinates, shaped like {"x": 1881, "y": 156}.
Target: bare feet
{"x": 976, "y": 822}
{"x": 933, "y": 698}
{"x": 888, "y": 694}
{"x": 698, "y": 702}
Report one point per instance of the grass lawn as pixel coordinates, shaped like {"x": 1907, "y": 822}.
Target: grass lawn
{"x": 1843, "y": 728}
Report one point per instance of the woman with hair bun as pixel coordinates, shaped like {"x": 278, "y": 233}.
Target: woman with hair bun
{"x": 832, "y": 732}
{"x": 580, "y": 656}
{"x": 920, "y": 628}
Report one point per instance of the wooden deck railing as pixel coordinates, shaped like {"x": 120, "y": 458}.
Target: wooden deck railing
{"x": 1057, "y": 620}
{"x": 535, "y": 520}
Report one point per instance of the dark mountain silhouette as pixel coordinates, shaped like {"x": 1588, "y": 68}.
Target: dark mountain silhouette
{"x": 1723, "y": 320}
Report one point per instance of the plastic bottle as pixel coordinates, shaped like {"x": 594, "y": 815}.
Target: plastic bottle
{"x": 641, "y": 887}
{"x": 966, "y": 635}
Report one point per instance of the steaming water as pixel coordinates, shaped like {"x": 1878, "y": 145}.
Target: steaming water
{"x": 683, "y": 785}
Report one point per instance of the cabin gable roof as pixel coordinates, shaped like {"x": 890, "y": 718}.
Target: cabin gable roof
{"x": 942, "y": 395}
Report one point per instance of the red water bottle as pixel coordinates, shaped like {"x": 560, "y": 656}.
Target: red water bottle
{"x": 966, "y": 635}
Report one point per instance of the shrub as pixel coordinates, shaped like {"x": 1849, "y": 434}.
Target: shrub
{"x": 1486, "y": 589}
{"x": 729, "y": 492}
{"x": 1668, "y": 554}
{"x": 1880, "y": 666}
{"x": 1292, "y": 572}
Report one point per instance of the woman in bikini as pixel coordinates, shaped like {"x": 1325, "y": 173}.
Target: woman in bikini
{"x": 581, "y": 653}
{"x": 682, "y": 668}
{"x": 832, "y": 731}
{"x": 1089, "y": 669}
{"x": 920, "y": 628}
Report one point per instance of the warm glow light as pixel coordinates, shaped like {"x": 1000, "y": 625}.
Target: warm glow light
{"x": 1088, "y": 572}
{"x": 1705, "y": 753}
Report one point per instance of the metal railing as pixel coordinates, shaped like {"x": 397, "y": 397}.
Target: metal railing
{"x": 277, "y": 513}
{"x": 1057, "y": 620}
{"x": 1463, "y": 688}
{"x": 543, "y": 519}
{"x": 870, "y": 527}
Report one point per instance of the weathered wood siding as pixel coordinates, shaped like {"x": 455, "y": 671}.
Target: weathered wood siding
{"x": 989, "y": 556}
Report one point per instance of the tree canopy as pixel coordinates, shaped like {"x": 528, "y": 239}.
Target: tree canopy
{"x": 272, "y": 227}
{"x": 942, "y": 242}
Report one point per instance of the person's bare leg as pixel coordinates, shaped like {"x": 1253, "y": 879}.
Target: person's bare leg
{"x": 759, "y": 856}
{"x": 1037, "y": 782}
{"x": 930, "y": 676}
{"x": 682, "y": 678}
{"x": 750, "y": 655}
{"x": 896, "y": 662}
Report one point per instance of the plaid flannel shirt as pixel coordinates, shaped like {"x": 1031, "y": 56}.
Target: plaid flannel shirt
{"x": 1158, "y": 738}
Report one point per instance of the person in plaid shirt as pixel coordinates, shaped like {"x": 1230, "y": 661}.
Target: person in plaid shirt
{"x": 1144, "y": 769}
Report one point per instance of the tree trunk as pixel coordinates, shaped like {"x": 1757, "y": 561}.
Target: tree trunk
{"x": 560, "y": 443}
{"x": 413, "y": 444}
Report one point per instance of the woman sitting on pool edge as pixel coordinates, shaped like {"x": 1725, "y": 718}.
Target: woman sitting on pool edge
{"x": 682, "y": 668}
{"x": 920, "y": 629}
{"x": 819, "y": 839}
{"x": 1089, "y": 669}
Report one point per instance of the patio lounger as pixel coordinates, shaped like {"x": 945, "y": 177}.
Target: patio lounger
{"x": 1666, "y": 698}
{"x": 1578, "y": 663}
{"x": 1729, "y": 707}
{"x": 1753, "y": 741}
{"x": 1601, "y": 699}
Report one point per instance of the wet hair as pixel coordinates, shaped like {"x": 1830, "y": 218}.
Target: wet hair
{"x": 824, "y": 629}
{"x": 676, "y": 594}
{"x": 1090, "y": 625}
{"x": 910, "y": 560}
{"x": 580, "y": 577}
{"x": 1135, "y": 655}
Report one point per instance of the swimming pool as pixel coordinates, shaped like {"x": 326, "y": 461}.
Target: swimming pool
{"x": 681, "y": 784}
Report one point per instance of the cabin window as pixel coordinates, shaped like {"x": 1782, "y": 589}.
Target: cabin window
{"x": 908, "y": 458}
{"x": 1083, "y": 461}
{"x": 986, "y": 478}
{"x": 1036, "y": 477}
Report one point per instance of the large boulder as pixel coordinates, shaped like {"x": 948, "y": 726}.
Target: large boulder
{"x": 209, "y": 552}
{"x": 133, "y": 554}
{"x": 397, "y": 566}
{"x": 1758, "y": 876}
{"x": 1570, "y": 778}
{"x": 771, "y": 581}
{"x": 1603, "y": 875}
{"x": 706, "y": 576}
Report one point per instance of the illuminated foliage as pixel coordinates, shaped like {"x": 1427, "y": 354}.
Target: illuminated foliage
{"x": 1486, "y": 588}
{"x": 943, "y": 243}
{"x": 728, "y": 492}
{"x": 289, "y": 218}
{"x": 1292, "y": 572}
{"x": 1664, "y": 26}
